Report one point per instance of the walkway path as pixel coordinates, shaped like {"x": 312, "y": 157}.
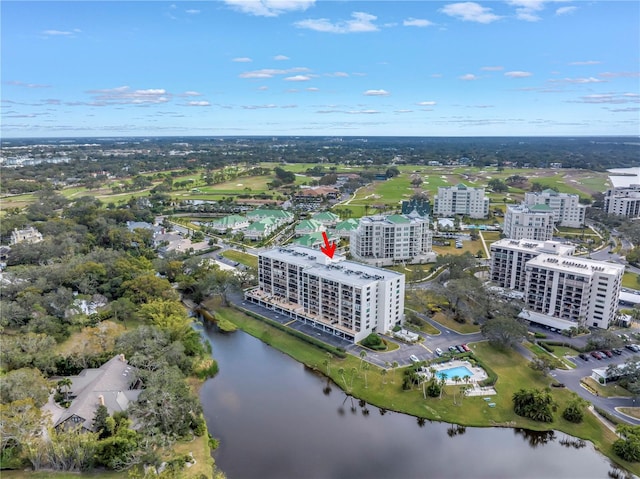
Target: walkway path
{"x": 484, "y": 245}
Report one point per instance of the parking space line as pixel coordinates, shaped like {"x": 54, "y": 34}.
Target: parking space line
{"x": 290, "y": 322}
{"x": 426, "y": 348}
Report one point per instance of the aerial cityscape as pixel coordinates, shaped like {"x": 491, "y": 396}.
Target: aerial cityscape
{"x": 283, "y": 239}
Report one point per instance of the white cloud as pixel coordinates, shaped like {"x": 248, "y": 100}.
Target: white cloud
{"x": 26, "y": 85}
{"x": 298, "y": 78}
{"x": 59, "y": 33}
{"x": 619, "y": 74}
{"x": 199, "y": 103}
{"x": 518, "y": 74}
{"x": 269, "y": 8}
{"x": 259, "y": 107}
{"x": 403, "y": 111}
{"x": 263, "y": 88}
{"x": 581, "y": 80}
{"x": 492, "y": 68}
{"x": 280, "y": 58}
{"x": 362, "y": 22}
{"x": 426, "y": 103}
{"x": 470, "y": 12}
{"x": 337, "y": 74}
{"x": 610, "y": 98}
{"x": 566, "y": 10}
{"x": 191, "y": 93}
{"x": 417, "y": 22}
{"x": 271, "y": 72}
{"x": 526, "y": 9}
{"x": 587, "y": 62}
{"x": 192, "y": 11}
{"x": 376, "y": 93}
{"x": 242, "y": 60}
{"x": 363, "y": 112}
{"x": 123, "y": 95}
{"x": 312, "y": 88}
{"x": 468, "y": 77}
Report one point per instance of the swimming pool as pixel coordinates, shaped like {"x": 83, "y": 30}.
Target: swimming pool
{"x": 460, "y": 371}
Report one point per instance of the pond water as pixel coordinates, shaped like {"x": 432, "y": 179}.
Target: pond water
{"x": 277, "y": 419}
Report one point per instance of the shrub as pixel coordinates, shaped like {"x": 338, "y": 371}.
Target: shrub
{"x": 546, "y": 347}
{"x": 540, "y": 335}
{"x": 573, "y": 413}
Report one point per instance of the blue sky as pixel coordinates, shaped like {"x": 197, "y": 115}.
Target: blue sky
{"x": 305, "y": 67}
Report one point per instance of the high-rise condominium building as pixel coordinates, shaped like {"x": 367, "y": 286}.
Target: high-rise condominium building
{"x": 393, "y": 239}
{"x": 461, "y": 200}
{"x": 509, "y": 257}
{"x": 528, "y": 222}
{"x": 567, "y": 210}
{"x": 573, "y": 291}
{"x": 623, "y": 201}
{"x": 347, "y": 299}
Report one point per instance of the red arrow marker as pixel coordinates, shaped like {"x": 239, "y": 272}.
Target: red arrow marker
{"x": 328, "y": 248}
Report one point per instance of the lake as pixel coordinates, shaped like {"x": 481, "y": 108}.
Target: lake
{"x": 275, "y": 418}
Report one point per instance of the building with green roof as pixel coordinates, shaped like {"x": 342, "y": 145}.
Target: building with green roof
{"x": 528, "y": 222}
{"x": 327, "y": 218}
{"x": 567, "y": 210}
{"x": 344, "y": 228}
{"x": 279, "y": 216}
{"x": 309, "y": 226}
{"x": 314, "y": 240}
{"x": 231, "y": 222}
{"x": 261, "y": 229}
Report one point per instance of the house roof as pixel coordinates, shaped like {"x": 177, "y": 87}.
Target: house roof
{"x": 312, "y": 239}
{"x": 309, "y": 225}
{"x": 398, "y": 219}
{"x": 350, "y": 224}
{"x": 112, "y": 382}
{"x": 326, "y": 216}
{"x": 269, "y": 213}
{"x": 261, "y": 225}
{"x": 229, "y": 221}
{"x": 541, "y": 207}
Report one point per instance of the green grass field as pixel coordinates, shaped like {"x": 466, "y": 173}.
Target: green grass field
{"x": 631, "y": 280}
{"x": 242, "y": 258}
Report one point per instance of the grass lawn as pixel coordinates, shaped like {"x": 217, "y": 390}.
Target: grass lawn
{"x": 242, "y": 258}
{"x": 630, "y": 411}
{"x": 630, "y": 280}
{"x": 463, "y": 328}
{"x": 610, "y": 390}
{"x": 472, "y": 247}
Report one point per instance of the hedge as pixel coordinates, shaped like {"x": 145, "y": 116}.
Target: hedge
{"x": 546, "y": 347}
{"x": 339, "y": 352}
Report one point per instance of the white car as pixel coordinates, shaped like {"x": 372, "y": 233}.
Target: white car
{"x": 439, "y": 351}
{"x": 414, "y": 358}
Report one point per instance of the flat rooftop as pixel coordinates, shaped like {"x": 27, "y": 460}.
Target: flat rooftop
{"x": 582, "y": 266}
{"x": 549, "y": 247}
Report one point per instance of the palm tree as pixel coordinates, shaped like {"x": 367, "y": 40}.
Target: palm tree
{"x": 383, "y": 373}
{"x": 365, "y": 368}
{"x": 456, "y": 379}
{"x": 327, "y": 363}
{"x": 341, "y": 373}
{"x": 394, "y": 365}
{"x": 442, "y": 382}
{"x": 363, "y": 354}
{"x": 353, "y": 373}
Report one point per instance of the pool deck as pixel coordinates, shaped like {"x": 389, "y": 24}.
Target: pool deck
{"x": 477, "y": 374}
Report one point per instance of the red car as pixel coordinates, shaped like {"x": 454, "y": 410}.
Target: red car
{"x": 465, "y": 347}
{"x": 609, "y": 354}
{"x": 596, "y": 355}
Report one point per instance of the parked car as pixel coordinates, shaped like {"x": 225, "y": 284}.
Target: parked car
{"x": 453, "y": 349}
{"x": 630, "y": 347}
{"x": 596, "y": 355}
{"x": 460, "y": 349}
{"x": 617, "y": 351}
{"x": 414, "y": 358}
{"x": 465, "y": 347}
{"x": 635, "y": 348}
{"x": 584, "y": 357}
{"x": 607, "y": 353}
{"x": 439, "y": 351}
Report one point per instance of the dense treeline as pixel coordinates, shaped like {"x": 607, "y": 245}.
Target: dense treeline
{"x": 89, "y": 163}
{"x": 90, "y": 290}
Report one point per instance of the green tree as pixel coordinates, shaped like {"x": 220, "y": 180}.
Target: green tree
{"x": 574, "y": 412}
{"x": 534, "y": 404}
{"x": 543, "y": 364}
{"x": 20, "y": 421}
{"x": 504, "y": 332}
{"x": 628, "y": 446}
{"x": 25, "y": 383}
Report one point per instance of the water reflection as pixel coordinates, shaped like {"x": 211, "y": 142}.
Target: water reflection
{"x": 276, "y": 419}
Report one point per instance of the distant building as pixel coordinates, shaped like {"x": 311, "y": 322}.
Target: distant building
{"x": 528, "y": 222}
{"x": 344, "y": 228}
{"x": 315, "y": 240}
{"x": 231, "y": 222}
{"x": 623, "y": 201}
{"x": 392, "y": 239}
{"x": 327, "y": 218}
{"x": 509, "y": 256}
{"x": 27, "y": 235}
{"x": 309, "y": 226}
{"x": 280, "y": 217}
{"x": 567, "y": 210}
{"x": 262, "y": 229}
{"x": 422, "y": 207}
{"x": 114, "y": 385}
{"x": 461, "y": 200}
{"x": 343, "y": 298}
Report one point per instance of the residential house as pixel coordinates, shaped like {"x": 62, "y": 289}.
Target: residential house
{"x": 231, "y": 222}
{"x": 327, "y": 218}
{"x": 261, "y": 229}
{"x": 309, "y": 226}
{"x": 27, "y": 235}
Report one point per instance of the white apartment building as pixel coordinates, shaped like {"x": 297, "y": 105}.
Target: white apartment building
{"x": 392, "y": 239}
{"x": 565, "y": 291}
{"x": 530, "y": 222}
{"x": 461, "y": 200}
{"x": 509, "y": 257}
{"x": 623, "y": 201}
{"x": 347, "y": 299}
{"x": 27, "y": 235}
{"x": 567, "y": 210}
